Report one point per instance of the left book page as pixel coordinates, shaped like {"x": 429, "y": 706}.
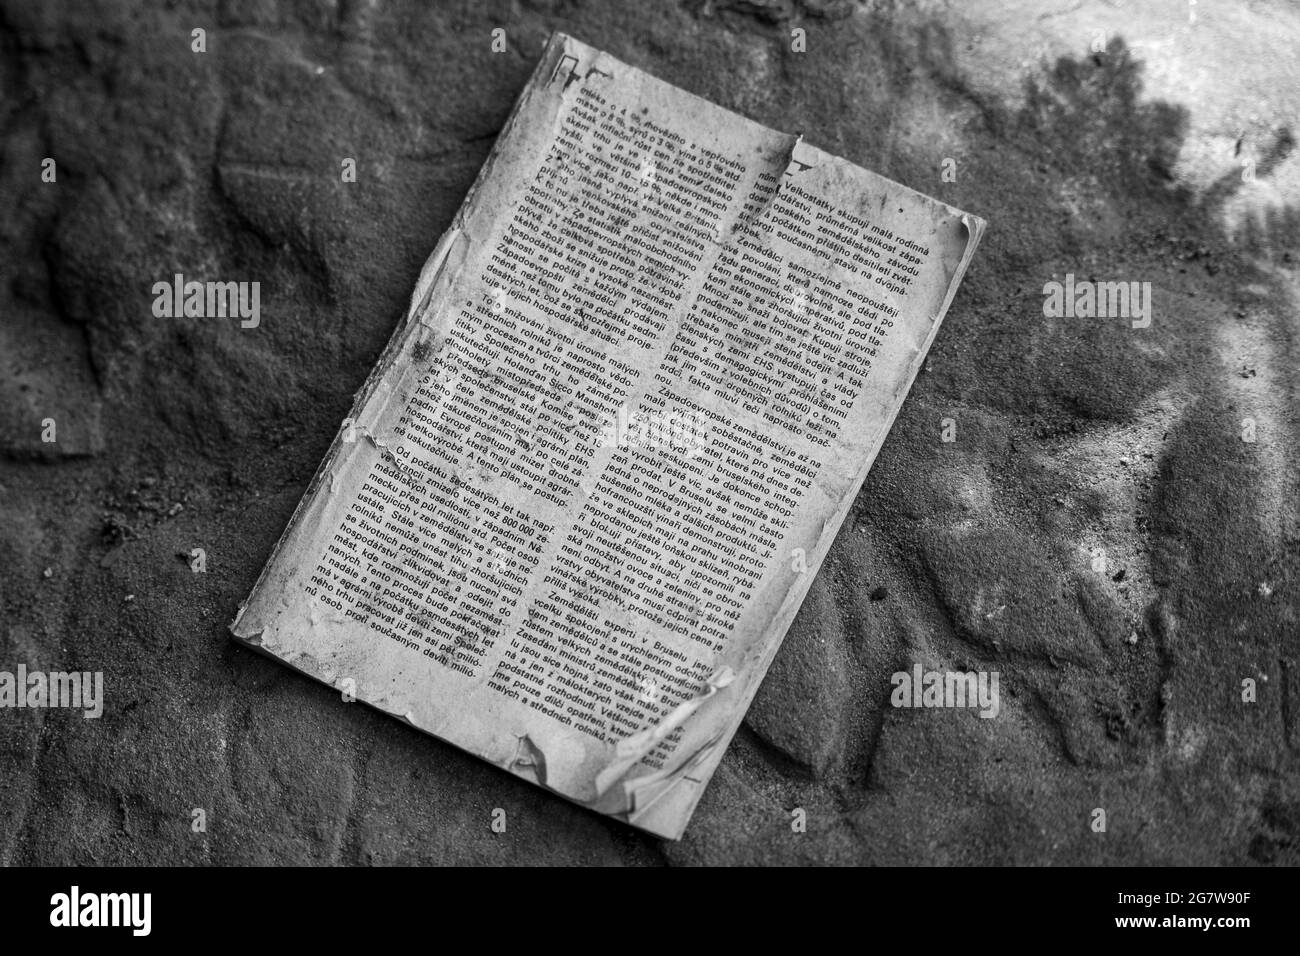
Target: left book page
{"x": 579, "y": 500}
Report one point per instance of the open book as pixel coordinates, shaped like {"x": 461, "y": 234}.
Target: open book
{"x": 587, "y": 486}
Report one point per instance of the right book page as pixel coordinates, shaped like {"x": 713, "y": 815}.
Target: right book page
{"x": 801, "y": 294}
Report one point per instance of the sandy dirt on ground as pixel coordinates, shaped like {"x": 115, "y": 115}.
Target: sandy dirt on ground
{"x": 1150, "y": 142}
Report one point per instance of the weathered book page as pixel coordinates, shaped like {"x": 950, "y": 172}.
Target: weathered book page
{"x": 586, "y": 488}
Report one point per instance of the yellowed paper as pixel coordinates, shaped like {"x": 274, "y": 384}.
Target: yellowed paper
{"x": 584, "y": 492}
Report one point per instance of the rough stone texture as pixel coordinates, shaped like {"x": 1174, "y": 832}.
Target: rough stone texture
{"x": 1119, "y": 691}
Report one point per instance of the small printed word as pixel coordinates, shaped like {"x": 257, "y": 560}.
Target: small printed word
{"x": 56, "y": 689}
{"x": 1144, "y": 899}
{"x": 1102, "y": 300}
{"x": 938, "y": 689}
{"x": 208, "y": 300}
{"x": 102, "y": 909}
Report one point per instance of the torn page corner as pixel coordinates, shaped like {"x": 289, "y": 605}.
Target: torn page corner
{"x": 629, "y": 751}
{"x": 974, "y": 226}
{"x": 241, "y": 632}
